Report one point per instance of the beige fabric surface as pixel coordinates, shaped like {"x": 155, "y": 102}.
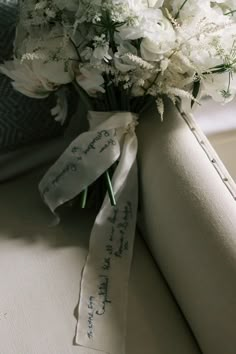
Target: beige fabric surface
{"x": 215, "y": 117}
{"x": 40, "y": 270}
{"x": 219, "y": 124}
{"x": 190, "y": 223}
{"x": 225, "y": 145}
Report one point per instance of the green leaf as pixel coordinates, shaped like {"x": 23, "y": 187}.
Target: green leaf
{"x": 196, "y": 89}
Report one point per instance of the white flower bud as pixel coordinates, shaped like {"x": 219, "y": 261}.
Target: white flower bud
{"x": 91, "y": 81}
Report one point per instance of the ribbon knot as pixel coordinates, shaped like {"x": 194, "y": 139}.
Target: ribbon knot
{"x": 130, "y": 129}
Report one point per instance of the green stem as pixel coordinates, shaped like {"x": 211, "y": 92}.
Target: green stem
{"x": 76, "y": 49}
{"x": 84, "y": 198}
{"x": 181, "y": 7}
{"x": 110, "y": 189}
{"x": 230, "y": 12}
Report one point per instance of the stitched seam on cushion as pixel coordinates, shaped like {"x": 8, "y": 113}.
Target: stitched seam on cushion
{"x": 210, "y": 153}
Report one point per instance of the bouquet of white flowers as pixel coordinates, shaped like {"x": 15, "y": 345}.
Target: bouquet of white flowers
{"x": 118, "y": 50}
{"x": 121, "y": 56}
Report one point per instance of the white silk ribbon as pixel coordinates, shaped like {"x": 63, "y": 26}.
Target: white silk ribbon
{"x": 104, "y": 286}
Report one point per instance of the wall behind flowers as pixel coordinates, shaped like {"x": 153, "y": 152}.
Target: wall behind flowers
{"x": 22, "y": 120}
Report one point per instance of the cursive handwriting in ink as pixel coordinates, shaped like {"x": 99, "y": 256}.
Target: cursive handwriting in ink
{"x": 90, "y": 317}
{"x": 106, "y": 263}
{"x": 110, "y": 142}
{"x": 71, "y": 167}
{"x": 103, "y": 293}
{"x": 122, "y": 227}
{"x": 112, "y": 219}
{"x": 98, "y": 137}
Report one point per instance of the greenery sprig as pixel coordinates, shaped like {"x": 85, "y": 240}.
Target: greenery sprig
{"x": 181, "y": 7}
{"x": 230, "y": 12}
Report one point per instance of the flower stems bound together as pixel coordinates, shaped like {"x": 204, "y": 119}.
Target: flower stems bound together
{"x": 89, "y": 104}
{"x": 107, "y": 178}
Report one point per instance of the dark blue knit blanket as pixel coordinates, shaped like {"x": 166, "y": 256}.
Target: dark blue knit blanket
{"x": 22, "y": 120}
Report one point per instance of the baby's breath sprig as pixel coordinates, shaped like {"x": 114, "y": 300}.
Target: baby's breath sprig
{"x": 227, "y": 93}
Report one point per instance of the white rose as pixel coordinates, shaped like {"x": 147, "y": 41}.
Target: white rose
{"x": 190, "y": 9}
{"x": 202, "y": 58}
{"x": 55, "y": 60}
{"x": 156, "y": 45}
{"x": 44, "y": 67}
{"x": 139, "y": 5}
{"x": 203, "y": 53}
{"x": 25, "y": 80}
{"x": 148, "y": 19}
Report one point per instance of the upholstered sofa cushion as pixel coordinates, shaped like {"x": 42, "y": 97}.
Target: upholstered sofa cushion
{"x": 188, "y": 214}
{"x": 40, "y": 269}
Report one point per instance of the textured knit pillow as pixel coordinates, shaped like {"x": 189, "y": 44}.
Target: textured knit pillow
{"x": 22, "y": 120}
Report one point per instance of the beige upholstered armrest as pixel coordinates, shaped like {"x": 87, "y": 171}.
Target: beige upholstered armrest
{"x": 189, "y": 215}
